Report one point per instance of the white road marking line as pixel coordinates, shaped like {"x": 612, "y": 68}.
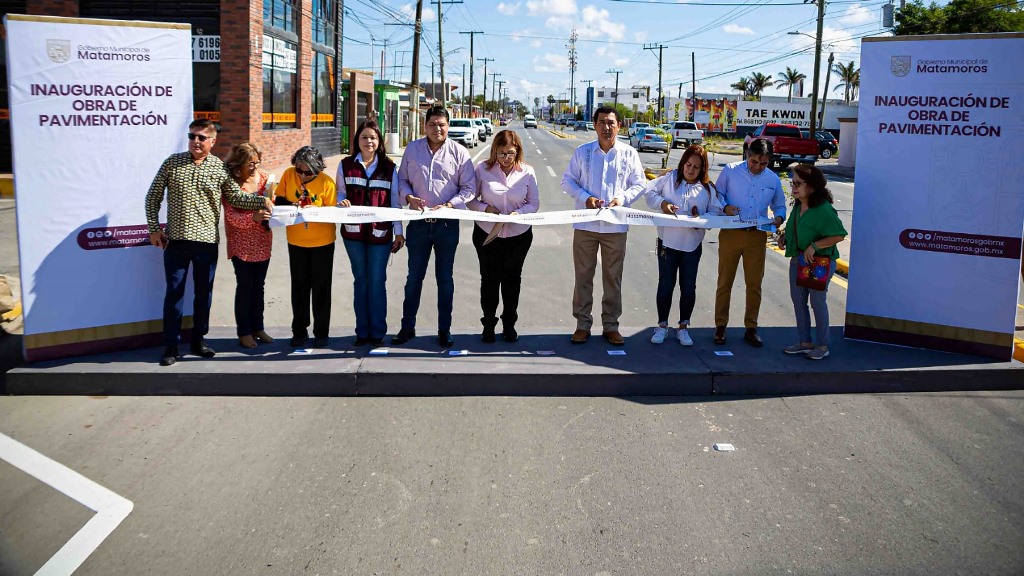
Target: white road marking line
{"x": 110, "y": 508}
{"x": 551, "y": 171}
{"x": 484, "y": 149}
{"x": 539, "y": 152}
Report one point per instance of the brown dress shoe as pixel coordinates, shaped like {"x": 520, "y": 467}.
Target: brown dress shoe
{"x": 580, "y": 336}
{"x": 719, "y": 335}
{"x": 752, "y": 338}
{"x": 613, "y": 337}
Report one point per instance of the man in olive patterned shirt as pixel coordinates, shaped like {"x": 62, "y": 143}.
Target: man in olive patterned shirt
{"x": 195, "y": 182}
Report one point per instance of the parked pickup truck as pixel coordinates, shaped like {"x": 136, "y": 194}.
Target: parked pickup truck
{"x": 685, "y": 133}
{"x": 787, "y": 145}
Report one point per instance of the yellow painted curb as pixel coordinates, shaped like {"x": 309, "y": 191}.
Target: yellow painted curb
{"x": 1018, "y": 349}
{"x": 843, "y": 267}
{"x": 6, "y": 186}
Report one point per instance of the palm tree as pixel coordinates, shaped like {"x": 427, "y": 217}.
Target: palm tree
{"x": 758, "y": 82}
{"x": 849, "y": 80}
{"x": 743, "y": 86}
{"x": 790, "y": 78}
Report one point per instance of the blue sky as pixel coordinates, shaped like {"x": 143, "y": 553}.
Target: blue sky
{"x": 527, "y": 40}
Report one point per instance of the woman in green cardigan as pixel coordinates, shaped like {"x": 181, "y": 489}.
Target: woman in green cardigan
{"x": 813, "y": 229}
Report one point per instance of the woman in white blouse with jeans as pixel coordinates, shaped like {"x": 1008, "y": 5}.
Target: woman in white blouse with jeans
{"x": 685, "y": 191}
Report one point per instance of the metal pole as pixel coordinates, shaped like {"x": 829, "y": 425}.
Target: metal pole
{"x": 824, "y": 96}
{"x": 817, "y": 65}
{"x": 440, "y": 53}
{"x": 693, "y": 85}
{"x": 414, "y": 93}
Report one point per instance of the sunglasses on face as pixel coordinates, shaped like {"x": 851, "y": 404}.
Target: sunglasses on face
{"x": 306, "y": 172}
{"x": 797, "y": 183}
{"x": 201, "y": 137}
{"x": 507, "y": 154}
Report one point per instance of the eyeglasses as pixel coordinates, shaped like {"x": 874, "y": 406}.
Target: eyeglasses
{"x": 201, "y": 137}
{"x": 508, "y": 154}
{"x": 798, "y": 183}
{"x": 254, "y": 164}
{"x": 305, "y": 172}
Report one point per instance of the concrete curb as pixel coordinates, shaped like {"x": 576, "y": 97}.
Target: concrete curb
{"x": 1018, "y": 349}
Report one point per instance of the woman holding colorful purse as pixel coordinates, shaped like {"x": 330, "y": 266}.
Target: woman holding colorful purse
{"x": 810, "y": 239}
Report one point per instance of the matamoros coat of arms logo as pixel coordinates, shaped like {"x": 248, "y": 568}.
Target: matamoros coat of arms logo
{"x": 900, "y": 65}
{"x": 59, "y": 51}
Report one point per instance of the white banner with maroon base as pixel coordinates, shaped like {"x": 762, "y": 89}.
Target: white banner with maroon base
{"x": 939, "y": 210}
{"x": 96, "y": 106}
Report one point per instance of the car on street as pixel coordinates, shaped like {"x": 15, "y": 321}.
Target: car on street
{"x": 463, "y": 131}
{"x": 489, "y": 125}
{"x": 665, "y": 127}
{"x": 685, "y": 133}
{"x": 827, "y": 144}
{"x": 579, "y": 125}
{"x": 636, "y": 126}
{"x": 786, "y": 144}
{"x": 529, "y": 121}
{"x": 481, "y": 129}
{"x": 648, "y": 138}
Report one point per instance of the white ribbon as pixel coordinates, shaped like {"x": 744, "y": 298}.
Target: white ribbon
{"x": 290, "y": 215}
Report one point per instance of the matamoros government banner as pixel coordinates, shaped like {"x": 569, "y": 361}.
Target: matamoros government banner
{"x": 96, "y": 106}
{"x": 939, "y": 210}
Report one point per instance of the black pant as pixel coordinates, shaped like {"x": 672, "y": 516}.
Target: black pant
{"x": 178, "y": 256}
{"x": 501, "y": 271}
{"x": 311, "y": 270}
{"x": 671, "y": 263}
{"x": 250, "y": 278}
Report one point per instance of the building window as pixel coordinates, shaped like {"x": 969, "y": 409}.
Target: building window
{"x": 280, "y": 78}
{"x": 323, "y": 90}
{"x": 636, "y": 94}
{"x": 323, "y": 22}
{"x": 281, "y": 14}
{"x": 600, "y": 93}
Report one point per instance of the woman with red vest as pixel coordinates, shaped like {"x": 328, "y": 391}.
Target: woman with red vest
{"x": 369, "y": 178}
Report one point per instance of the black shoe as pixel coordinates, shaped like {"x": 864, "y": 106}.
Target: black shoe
{"x": 403, "y": 336}
{"x": 298, "y": 341}
{"x": 510, "y": 334}
{"x": 488, "y": 336}
{"x": 719, "y": 335}
{"x": 752, "y": 338}
{"x": 360, "y": 341}
{"x": 444, "y": 338}
{"x": 170, "y": 356}
{"x": 376, "y": 342}
{"x": 320, "y": 342}
{"x": 201, "y": 349}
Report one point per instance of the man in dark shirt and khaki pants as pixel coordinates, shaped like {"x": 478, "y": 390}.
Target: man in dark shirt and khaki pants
{"x": 194, "y": 182}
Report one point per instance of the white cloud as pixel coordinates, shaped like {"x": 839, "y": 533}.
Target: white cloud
{"x": 536, "y": 44}
{"x": 518, "y": 35}
{"x": 409, "y": 11}
{"x": 509, "y": 9}
{"x": 640, "y": 36}
{"x": 621, "y": 61}
{"x": 857, "y": 14}
{"x": 736, "y": 29}
{"x": 601, "y": 50}
{"x": 551, "y": 7}
{"x": 551, "y": 63}
{"x": 597, "y": 23}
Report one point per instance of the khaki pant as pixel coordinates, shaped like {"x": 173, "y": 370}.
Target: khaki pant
{"x": 733, "y": 244}
{"x": 584, "y": 257}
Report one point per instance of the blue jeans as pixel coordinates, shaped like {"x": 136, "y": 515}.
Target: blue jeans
{"x": 671, "y": 263}
{"x": 819, "y": 303}
{"x": 250, "y": 278}
{"x": 370, "y": 272}
{"x": 178, "y": 255}
{"x": 422, "y": 237}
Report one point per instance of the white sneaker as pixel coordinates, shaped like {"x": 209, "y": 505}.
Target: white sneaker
{"x": 684, "y": 337}
{"x": 659, "y": 335}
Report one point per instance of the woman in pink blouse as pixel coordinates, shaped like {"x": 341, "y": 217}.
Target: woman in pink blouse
{"x": 249, "y": 241}
{"x": 506, "y": 186}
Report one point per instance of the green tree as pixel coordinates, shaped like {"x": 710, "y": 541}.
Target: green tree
{"x": 758, "y": 83}
{"x": 742, "y": 86}
{"x": 790, "y": 78}
{"x": 849, "y": 80}
{"x": 959, "y": 17}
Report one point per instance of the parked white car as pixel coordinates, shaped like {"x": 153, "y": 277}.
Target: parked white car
{"x": 685, "y": 133}
{"x": 481, "y": 129}
{"x": 636, "y": 126}
{"x": 489, "y": 125}
{"x": 647, "y": 139}
{"x": 529, "y": 121}
{"x": 463, "y": 131}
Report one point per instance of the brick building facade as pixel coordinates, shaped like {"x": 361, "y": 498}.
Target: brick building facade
{"x": 276, "y": 78}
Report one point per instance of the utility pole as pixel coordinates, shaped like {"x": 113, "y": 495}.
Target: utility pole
{"x": 572, "y": 71}
{"x": 587, "y": 113}
{"x": 501, "y": 106}
{"x": 494, "y": 91}
{"x": 661, "y": 95}
{"x": 824, "y": 94}
{"x": 817, "y": 64}
{"x": 483, "y": 109}
{"x": 464, "y": 90}
{"x": 440, "y": 50}
{"x": 616, "y": 72}
{"x": 472, "y": 94}
{"x": 414, "y": 94}
{"x": 693, "y": 85}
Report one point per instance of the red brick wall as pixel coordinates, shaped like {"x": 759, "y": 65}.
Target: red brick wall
{"x": 52, "y": 7}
